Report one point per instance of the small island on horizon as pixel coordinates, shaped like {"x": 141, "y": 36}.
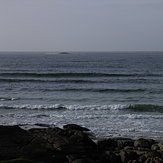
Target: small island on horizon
{"x": 64, "y": 52}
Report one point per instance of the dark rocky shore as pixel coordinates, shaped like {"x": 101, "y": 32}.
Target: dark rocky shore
{"x": 73, "y": 144}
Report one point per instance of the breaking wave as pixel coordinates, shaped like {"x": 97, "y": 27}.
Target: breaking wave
{"x": 8, "y": 99}
{"x": 116, "y": 107}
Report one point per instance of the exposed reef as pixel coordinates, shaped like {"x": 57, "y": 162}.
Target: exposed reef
{"x": 73, "y": 144}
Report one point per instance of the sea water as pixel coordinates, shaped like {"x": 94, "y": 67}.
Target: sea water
{"x": 115, "y": 94}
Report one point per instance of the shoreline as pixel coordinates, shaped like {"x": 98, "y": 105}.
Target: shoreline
{"x": 96, "y": 136}
{"x": 73, "y": 144}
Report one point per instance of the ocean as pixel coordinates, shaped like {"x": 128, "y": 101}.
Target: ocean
{"x": 115, "y": 94}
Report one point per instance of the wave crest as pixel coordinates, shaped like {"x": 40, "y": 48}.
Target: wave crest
{"x": 115, "y": 107}
{"x": 33, "y": 107}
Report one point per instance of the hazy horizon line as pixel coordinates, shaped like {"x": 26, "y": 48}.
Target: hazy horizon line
{"x": 68, "y": 51}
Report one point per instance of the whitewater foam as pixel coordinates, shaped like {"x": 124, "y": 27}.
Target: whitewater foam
{"x": 8, "y": 99}
{"x": 114, "y": 107}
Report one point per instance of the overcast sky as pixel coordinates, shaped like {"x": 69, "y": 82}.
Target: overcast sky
{"x": 81, "y": 25}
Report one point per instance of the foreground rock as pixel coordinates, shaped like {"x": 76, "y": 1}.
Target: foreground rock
{"x": 72, "y": 144}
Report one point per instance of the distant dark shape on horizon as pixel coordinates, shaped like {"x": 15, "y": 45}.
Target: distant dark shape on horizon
{"x": 64, "y": 52}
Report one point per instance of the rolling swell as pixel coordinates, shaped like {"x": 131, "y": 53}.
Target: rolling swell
{"x": 99, "y": 90}
{"x": 96, "y": 90}
{"x": 79, "y": 80}
{"x": 17, "y": 74}
{"x": 51, "y": 81}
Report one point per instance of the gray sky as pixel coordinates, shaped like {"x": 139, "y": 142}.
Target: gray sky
{"x": 81, "y": 25}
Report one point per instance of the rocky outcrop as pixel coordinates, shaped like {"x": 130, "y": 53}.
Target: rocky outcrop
{"x": 72, "y": 144}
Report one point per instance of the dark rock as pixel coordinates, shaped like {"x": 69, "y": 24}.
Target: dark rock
{"x": 75, "y": 127}
{"x": 42, "y": 125}
{"x": 115, "y": 144}
{"x": 158, "y": 160}
{"x": 153, "y": 154}
{"x": 161, "y": 146}
{"x": 69, "y": 142}
{"x": 128, "y": 148}
{"x": 155, "y": 147}
{"x": 55, "y": 136}
{"x": 142, "y": 159}
{"x": 154, "y": 160}
{"x": 38, "y": 149}
{"x": 81, "y": 138}
{"x": 16, "y": 135}
{"x": 133, "y": 161}
{"x": 83, "y": 161}
{"x": 73, "y": 145}
{"x": 149, "y": 160}
{"x": 124, "y": 156}
{"x": 123, "y": 142}
{"x": 44, "y": 132}
{"x": 107, "y": 145}
{"x": 143, "y": 149}
{"x": 110, "y": 157}
{"x": 81, "y": 144}
{"x": 19, "y": 160}
{"x": 12, "y": 139}
{"x": 144, "y": 143}
{"x": 74, "y": 157}
{"x": 128, "y": 155}
{"x": 18, "y": 143}
{"x": 140, "y": 152}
